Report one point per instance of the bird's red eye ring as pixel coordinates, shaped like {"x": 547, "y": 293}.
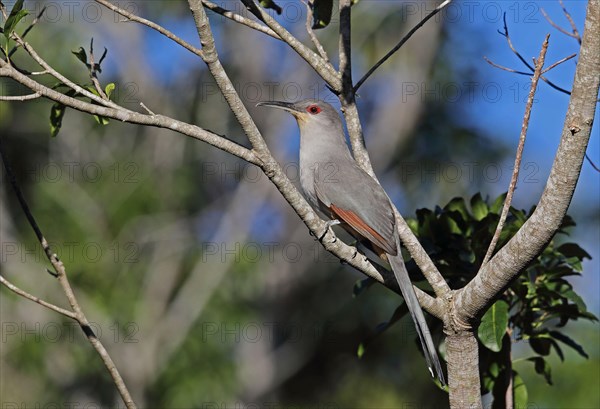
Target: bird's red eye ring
{"x": 313, "y": 109}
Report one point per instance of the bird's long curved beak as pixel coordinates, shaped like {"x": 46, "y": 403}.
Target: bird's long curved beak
{"x": 286, "y": 106}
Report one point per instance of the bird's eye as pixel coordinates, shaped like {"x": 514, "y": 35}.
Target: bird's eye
{"x": 313, "y": 109}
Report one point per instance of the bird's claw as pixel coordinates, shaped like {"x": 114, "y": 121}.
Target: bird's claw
{"x": 328, "y": 224}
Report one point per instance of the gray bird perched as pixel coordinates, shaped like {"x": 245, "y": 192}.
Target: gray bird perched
{"x": 337, "y": 187}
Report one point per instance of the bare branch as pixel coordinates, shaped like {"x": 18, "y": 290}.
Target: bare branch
{"x": 573, "y": 25}
{"x": 20, "y": 97}
{"x": 59, "y": 268}
{"x": 596, "y": 168}
{"x": 562, "y": 60}
{"x": 35, "y": 299}
{"x": 147, "y": 109}
{"x": 322, "y": 67}
{"x": 506, "y": 35}
{"x": 559, "y": 28}
{"x": 493, "y": 64}
{"x": 400, "y": 44}
{"x": 310, "y": 31}
{"x": 519, "y": 155}
{"x": 240, "y": 19}
{"x": 125, "y": 115}
{"x": 152, "y": 25}
{"x": 211, "y": 58}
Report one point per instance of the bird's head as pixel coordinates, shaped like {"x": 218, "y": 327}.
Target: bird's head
{"x": 310, "y": 113}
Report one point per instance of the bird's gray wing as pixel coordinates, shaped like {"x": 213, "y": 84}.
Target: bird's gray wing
{"x": 355, "y": 198}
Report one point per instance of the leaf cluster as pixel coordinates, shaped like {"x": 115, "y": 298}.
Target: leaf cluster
{"x": 533, "y": 308}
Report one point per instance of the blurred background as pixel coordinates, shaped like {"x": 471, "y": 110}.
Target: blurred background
{"x": 204, "y": 286}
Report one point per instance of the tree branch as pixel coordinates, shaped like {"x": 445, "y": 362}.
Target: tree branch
{"x": 322, "y": 67}
{"x": 539, "y": 229}
{"x": 61, "y": 274}
{"x": 125, "y": 115}
{"x": 27, "y": 97}
{"x": 35, "y": 299}
{"x": 400, "y": 44}
{"x": 519, "y": 155}
{"x": 240, "y": 19}
{"x": 152, "y": 25}
{"x": 506, "y": 35}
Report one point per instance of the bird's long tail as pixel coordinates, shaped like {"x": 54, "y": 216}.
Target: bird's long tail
{"x": 410, "y": 298}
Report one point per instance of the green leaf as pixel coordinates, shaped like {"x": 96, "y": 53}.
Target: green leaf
{"x": 361, "y": 285}
{"x": 322, "y": 11}
{"x": 413, "y": 224}
{"x": 270, "y": 4}
{"x": 573, "y": 250}
{"x": 57, "y": 112}
{"x": 493, "y": 326}
{"x": 81, "y": 56}
{"x": 573, "y": 296}
{"x": 109, "y": 89}
{"x": 479, "y": 207}
{"x": 102, "y": 120}
{"x": 16, "y": 14}
{"x": 542, "y": 367}
{"x": 569, "y": 341}
{"x": 458, "y": 204}
{"x": 498, "y": 204}
{"x": 360, "y": 351}
{"x": 519, "y": 391}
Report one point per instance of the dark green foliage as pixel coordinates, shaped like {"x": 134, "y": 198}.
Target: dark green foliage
{"x": 57, "y": 111}
{"x": 532, "y": 309}
{"x": 270, "y": 4}
{"x": 322, "y": 11}
{"x": 16, "y": 14}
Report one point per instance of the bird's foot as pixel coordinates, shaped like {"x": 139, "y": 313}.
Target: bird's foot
{"x": 328, "y": 226}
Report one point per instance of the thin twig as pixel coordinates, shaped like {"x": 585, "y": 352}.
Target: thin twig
{"x": 94, "y": 69}
{"x": 322, "y": 67}
{"x": 562, "y": 60}
{"x": 556, "y": 26}
{"x": 152, "y": 25}
{"x": 592, "y": 163}
{"x": 61, "y": 272}
{"x": 400, "y": 44}
{"x": 20, "y": 97}
{"x": 61, "y": 77}
{"x": 240, "y": 19}
{"x": 35, "y": 299}
{"x": 147, "y": 109}
{"x": 506, "y": 35}
{"x": 493, "y": 64}
{"x": 519, "y": 155}
{"x": 311, "y": 32}
{"x": 573, "y": 25}
{"x": 27, "y": 30}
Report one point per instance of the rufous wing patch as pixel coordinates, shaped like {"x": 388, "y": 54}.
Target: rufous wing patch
{"x": 354, "y": 221}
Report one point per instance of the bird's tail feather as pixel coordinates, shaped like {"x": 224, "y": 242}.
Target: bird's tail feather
{"x": 410, "y": 298}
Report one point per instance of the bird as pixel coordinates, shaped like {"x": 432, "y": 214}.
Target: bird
{"x": 337, "y": 188}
